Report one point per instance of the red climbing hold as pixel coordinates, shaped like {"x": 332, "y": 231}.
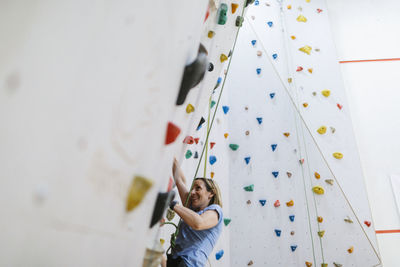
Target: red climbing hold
{"x": 212, "y": 144}
{"x": 277, "y": 204}
{"x": 188, "y": 140}
{"x": 319, "y": 10}
{"x": 339, "y": 106}
{"x": 207, "y": 14}
{"x": 172, "y": 133}
{"x": 367, "y": 223}
{"x": 196, "y": 140}
{"x": 170, "y": 184}
{"x": 299, "y": 68}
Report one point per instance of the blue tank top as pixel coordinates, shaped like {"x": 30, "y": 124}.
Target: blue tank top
{"x": 195, "y": 246}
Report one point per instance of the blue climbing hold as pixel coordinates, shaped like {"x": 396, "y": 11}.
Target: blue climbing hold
{"x": 256, "y": 3}
{"x": 219, "y": 254}
{"x": 253, "y": 42}
{"x": 212, "y": 159}
{"x": 274, "y": 56}
{"x": 270, "y": 23}
{"x": 247, "y": 159}
{"x": 218, "y": 83}
{"x": 258, "y": 71}
{"x": 273, "y": 146}
{"x": 263, "y": 201}
{"x": 291, "y": 218}
{"x": 225, "y": 109}
{"x": 278, "y": 232}
{"x": 275, "y": 174}
{"x": 259, "y": 119}
{"x": 272, "y": 95}
{"x": 293, "y": 247}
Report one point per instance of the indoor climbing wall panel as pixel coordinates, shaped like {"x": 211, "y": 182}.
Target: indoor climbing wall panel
{"x": 297, "y": 196}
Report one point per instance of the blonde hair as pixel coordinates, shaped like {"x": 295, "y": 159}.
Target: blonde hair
{"x": 212, "y": 187}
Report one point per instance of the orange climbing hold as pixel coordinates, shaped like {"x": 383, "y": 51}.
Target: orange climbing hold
{"x": 234, "y": 7}
{"x": 310, "y": 70}
{"x": 320, "y": 219}
{"x": 305, "y": 105}
{"x": 226, "y": 135}
{"x": 289, "y": 7}
{"x": 308, "y": 264}
{"x": 290, "y": 203}
{"x": 317, "y": 175}
{"x": 172, "y": 133}
{"x": 351, "y": 249}
{"x": 286, "y": 134}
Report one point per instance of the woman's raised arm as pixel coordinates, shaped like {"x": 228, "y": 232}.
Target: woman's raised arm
{"x": 180, "y": 181}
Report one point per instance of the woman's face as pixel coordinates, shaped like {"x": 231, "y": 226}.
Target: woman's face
{"x": 199, "y": 195}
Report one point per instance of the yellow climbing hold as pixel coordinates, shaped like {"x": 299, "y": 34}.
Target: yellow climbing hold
{"x": 301, "y": 18}
{"x": 308, "y": 1}
{"x": 308, "y": 264}
{"x": 289, "y": 80}
{"x": 319, "y": 190}
{"x": 290, "y": 203}
{"x": 286, "y": 134}
{"x": 324, "y": 264}
{"x": 289, "y": 7}
{"x": 338, "y": 155}
{"x": 234, "y": 7}
{"x": 293, "y": 37}
{"x": 223, "y": 58}
{"x": 351, "y": 249}
{"x": 212, "y": 174}
{"x": 226, "y": 135}
{"x": 321, "y": 130}
{"x": 162, "y": 241}
{"x": 310, "y": 70}
{"x": 326, "y": 93}
{"x": 321, "y": 233}
{"x": 317, "y": 175}
{"x": 139, "y": 187}
{"x": 189, "y": 108}
{"x": 305, "y": 105}
{"x": 306, "y": 49}
{"x": 210, "y": 34}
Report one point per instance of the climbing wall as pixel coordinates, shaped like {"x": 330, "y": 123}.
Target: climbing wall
{"x": 295, "y": 178}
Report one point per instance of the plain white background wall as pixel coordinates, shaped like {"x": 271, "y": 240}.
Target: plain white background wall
{"x": 368, "y": 30}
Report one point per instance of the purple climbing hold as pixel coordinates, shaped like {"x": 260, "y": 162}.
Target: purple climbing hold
{"x": 270, "y": 23}
{"x": 225, "y": 109}
{"x": 274, "y": 56}
{"x": 291, "y": 218}
{"x": 263, "y": 201}
{"x": 258, "y": 71}
{"x": 259, "y": 119}
{"x": 219, "y": 254}
{"x": 212, "y": 159}
{"x": 247, "y": 159}
{"x": 273, "y": 146}
{"x": 275, "y": 174}
{"x": 278, "y": 232}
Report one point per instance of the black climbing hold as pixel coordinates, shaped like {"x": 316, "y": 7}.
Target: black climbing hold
{"x": 162, "y": 202}
{"x": 210, "y": 67}
{"x": 249, "y": 2}
{"x": 202, "y": 120}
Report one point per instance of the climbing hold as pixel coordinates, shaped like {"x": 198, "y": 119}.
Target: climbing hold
{"x": 277, "y": 204}
{"x": 367, "y": 223}
{"x": 258, "y": 70}
{"x": 196, "y": 155}
{"x": 210, "y": 67}
{"x": 321, "y": 233}
{"x": 188, "y": 140}
{"x": 196, "y": 140}
{"x": 137, "y": 191}
{"x": 250, "y": 263}
{"x": 275, "y": 174}
{"x": 219, "y": 254}
{"x": 299, "y": 68}
{"x": 338, "y": 155}
{"x": 219, "y": 80}
{"x": 202, "y": 120}
{"x": 248, "y": 202}
{"x": 314, "y": 93}
{"x": 273, "y": 146}
{"x": 226, "y": 135}
{"x": 301, "y": 18}
{"x": 319, "y": 190}
{"x": 212, "y": 104}
{"x": 333, "y": 130}
{"x": 274, "y": 56}
{"x": 348, "y": 220}
{"x": 212, "y": 174}
{"x": 253, "y": 42}
{"x": 329, "y": 181}
{"x": 320, "y": 219}
{"x": 289, "y": 7}
{"x": 234, "y": 7}
{"x": 278, "y": 232}
{"x": 172, "y": 133}
{"x": 326, "y": 93}
{"x": 227, "y": 221}
{"x": 247, "y": 132}
{"x": 246, "y": 108}
{"x": 210, "y": 34}
{"x": 324, "y": 264}
{"x": 293, "y": 37}
{"x": 212, "y": 159}
{"x": 321, "y": 130}
{"x": 301, "y": 161}
{"x": 249, "y": 188}
{"x": 189, "y": 108}
{"x": 310, "y": 70}
{"x": 170, "y": 215}
{"x": 270, "y": 23}
{"x": 308, "y": 264}
{"x": 247, "y": 159}
{"x": 291, "y": 218}
{"x": 337, "y": 264}
{"x": 272, "y": 95}
{"x": 223, "y": 58}
{"x": 223, "y": 8}
{"x": 317, "y": 175}
{"x": 339, "y": 106}
{"x": 188, "y": 154}
{"x": 290, "y": 203}
{"x": 289, "y": 80}
{"x": 292, "y": 233}
{"x": 259, "y": 119}
{"x": 234, "y": 147}
{"x": 286, "y": 134}
{"x": 306, "y": 49}
{"x": 319, "y": 10}
{"x": 305, "y": 104}
{"x": 212, "y": 144}
{"x": 263, "y": 201}
{"x": 239, "y": 21}
{"x": 259, "y": 53}
{"x": 351, "y": 249}
{"x": 289, "y": 174}
{"x": 225, "y": 109}
{"x": 162, "y": 241}
{"x": 293, "y": 247}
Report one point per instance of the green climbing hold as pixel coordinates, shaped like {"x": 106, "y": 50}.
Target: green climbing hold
{"x": 239, "y": 21}
{"x": 223, "y": 8}
{"x": 227, "y": 221}
{"x": 249, "y": 188}
{"x": 188, "y": 154}
{"x": 234, "y": 147}
{"x": 212, "y": 104}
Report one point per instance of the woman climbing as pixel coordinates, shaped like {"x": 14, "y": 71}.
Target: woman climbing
{"x": 201, "y": 223}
